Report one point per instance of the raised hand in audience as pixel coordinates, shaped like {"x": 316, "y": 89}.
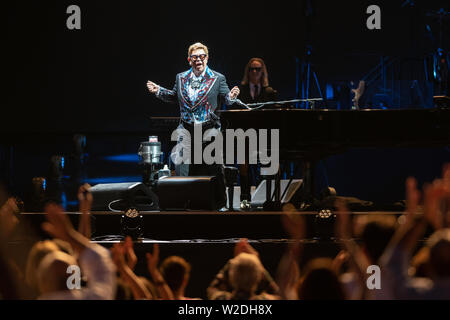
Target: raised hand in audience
{"x": 158, "y": 280}
{"x": 436, "y": 200}
{"x": 8, "y": 219}
{"x": 244, "y": 246}
{"x": 397, "y": 255}
{"x": 85, "y": 203}
{"x": 138, "y": 288}
{"x": 288, "y": 272}
{"x": 293, "y": 224}
{"x": 356, "y": 257}
{"x": 412, "y": 199}
{"x": 130, "y": 255}
{"x": 342, "y": 257}
{"x": 58, "y": 225}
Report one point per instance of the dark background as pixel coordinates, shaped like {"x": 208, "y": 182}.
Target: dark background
{"x": 93, "y": 81}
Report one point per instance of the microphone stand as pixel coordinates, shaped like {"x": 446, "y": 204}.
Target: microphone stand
{"x": 255, "y": 106}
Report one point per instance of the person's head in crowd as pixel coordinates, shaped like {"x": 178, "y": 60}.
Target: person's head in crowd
{"x": 320, "y": 282}
{"x": 256, "y": 73}
{"x": 375, "y": 232}
{"x": 52, "y": 272}
{"x": 375, "y": 238}
{"x": 439, "y": 256}
{"x": 245, "y": 272}
{"x": 176, "y": 272}
{"x": 36, "y": 255}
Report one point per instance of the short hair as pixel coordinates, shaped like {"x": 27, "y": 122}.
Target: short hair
{"x": 175, "y": 270}
{"x": 439, "y": 244}
{"x": 265, "y": 74}
{"x": 320, "y": 282}
{"x": 245, "y": 272}
{"x": 197, "y": 46}
{"x": 376, "y": 237}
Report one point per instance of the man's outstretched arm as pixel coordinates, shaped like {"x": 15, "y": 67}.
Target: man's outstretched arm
{"x": 162, "y": 93}
{"x": 230, "y": 96}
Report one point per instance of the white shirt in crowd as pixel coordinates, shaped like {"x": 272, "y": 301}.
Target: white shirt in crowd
{"x": 98, "y": 267}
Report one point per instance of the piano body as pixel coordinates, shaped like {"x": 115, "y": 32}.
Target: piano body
{"x": 309, "y": 135}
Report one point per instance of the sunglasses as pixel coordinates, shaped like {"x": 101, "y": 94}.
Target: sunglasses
{"x": 195, "y": 57}
{"x": 255, "y": 69}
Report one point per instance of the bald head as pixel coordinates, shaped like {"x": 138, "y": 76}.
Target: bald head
{"x": 246, "y": 271}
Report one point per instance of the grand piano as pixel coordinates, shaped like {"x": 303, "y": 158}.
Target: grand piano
{"x": 308, "y": 136}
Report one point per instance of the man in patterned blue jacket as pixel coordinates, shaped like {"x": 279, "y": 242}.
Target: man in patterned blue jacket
{"x": 198, "y": 91}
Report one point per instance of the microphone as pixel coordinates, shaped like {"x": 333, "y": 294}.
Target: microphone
{"x": 239, "y": 102}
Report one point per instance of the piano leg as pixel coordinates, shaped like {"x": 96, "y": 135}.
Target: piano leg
{"x": 278, "y": 188}
{"x": 273, "y": 203}
{"x": 307, "y": 199}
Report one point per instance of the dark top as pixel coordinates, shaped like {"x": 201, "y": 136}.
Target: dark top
{"x": 266, "y": 94}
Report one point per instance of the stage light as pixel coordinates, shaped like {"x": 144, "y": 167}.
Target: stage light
{"x": 132, "y": 224}
{"x": 325, "y": 213}
{"x": 324, "y": 224}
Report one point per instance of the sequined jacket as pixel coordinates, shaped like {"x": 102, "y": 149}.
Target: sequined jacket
{"x": 213, "y": 91}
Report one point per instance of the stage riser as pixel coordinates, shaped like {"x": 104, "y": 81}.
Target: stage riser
{"x": 192, "y": 226}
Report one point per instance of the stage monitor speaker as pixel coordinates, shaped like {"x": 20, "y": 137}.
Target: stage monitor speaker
{"x": 122, "y": 196}
{"x": 190, "y": 193}
{"x": 259, "y": 197}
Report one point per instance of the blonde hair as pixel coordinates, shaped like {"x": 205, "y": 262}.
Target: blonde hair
{"x": 245, "y": 272}
{"x": 197, "y": 46}
{"x": 265, "y": 75}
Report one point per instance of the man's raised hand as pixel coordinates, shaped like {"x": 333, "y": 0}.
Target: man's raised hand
{"x": 58, "y": 224}
{"x": 152, "y": 87}
{"x": 152, "y": 259}
{"x": 234, "y": 92}
{"x": 129, "y": 253}
{"x": 85, "y": 199}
